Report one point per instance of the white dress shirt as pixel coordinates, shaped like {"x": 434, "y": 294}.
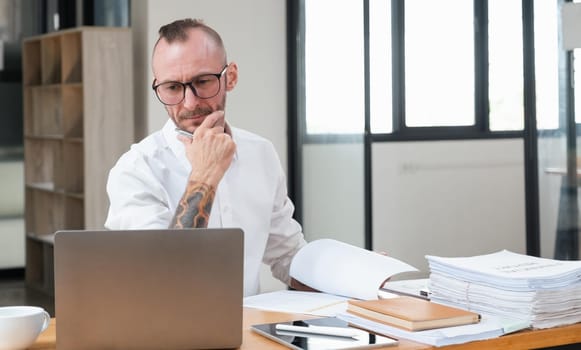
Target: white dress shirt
{"x": 148, "y": 181}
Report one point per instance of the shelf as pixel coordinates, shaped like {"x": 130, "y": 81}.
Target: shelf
{"x": 73, "y": 161}
{"x": 39, "y": 263}
{"x": 72, "y": 68}
{"x": 35, "y": 263}
{"x": 49, "y": 187}
{"x": 75, "y": 195}
{"x": 54, "y": 137}
{"x": 67, "y": 84}
{"x": 46, "y": 238}
{"x": 72, "y": 138}
{"x": 50, "y": 53}
{"x": 43, "y": 108}
{"x": 42, "y": 186}
{"x": 74, "y": 214}
{"x": 72, "y": 104}
{"x": 78, "y": 140}
{"x": 31, "y": 60}
{"x": 44, "y": 211}
{"x": 43, "y": 161}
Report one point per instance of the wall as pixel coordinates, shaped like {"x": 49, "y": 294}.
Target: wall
{"x": 254, "y": 33}
{"x": 11, "y": 214}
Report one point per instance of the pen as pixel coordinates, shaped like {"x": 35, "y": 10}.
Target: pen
{"x": 183, "y": 132}
{"x": 321, "y": 330}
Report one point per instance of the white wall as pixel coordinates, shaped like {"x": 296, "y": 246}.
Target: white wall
{"x": 12, "y": 214}
{"x": 254, "y": 33}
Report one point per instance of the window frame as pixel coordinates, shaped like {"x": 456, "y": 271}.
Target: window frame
{"x": 401, "y": 132}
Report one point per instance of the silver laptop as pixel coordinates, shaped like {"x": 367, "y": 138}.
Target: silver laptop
{"x": 149, "y": 289}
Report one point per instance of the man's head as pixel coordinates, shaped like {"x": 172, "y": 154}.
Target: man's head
{"x": 190, "y": 56}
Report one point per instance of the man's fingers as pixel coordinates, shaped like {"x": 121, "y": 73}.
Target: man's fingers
{"x": 211, "y": 120}
{"x": 184, "y": 139}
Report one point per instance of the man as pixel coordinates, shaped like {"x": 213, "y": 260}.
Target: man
{"x": 219, "y": 177}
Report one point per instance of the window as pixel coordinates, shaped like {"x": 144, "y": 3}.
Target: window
{"x": 436, "y": 68}
{"x": 546, "y": 64}
{"x": 439, "y": 63}
{"x": 380, "y": 66}
{"x": 577, "y": 80}
{"x": 505, "y": 67}
{"x": 334, "y": 80}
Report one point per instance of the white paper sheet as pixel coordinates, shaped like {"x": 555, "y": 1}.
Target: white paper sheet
{"x": 311, "y": 303}
{"x": 338, "y": 268}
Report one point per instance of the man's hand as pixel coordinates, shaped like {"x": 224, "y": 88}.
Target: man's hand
{"x": 296, "y": 285}
{"x": 210, "y": 150}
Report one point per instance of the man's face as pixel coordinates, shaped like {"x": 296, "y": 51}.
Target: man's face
{"x": 184, "y": 62}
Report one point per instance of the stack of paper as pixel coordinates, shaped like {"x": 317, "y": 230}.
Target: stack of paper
{"x": 543, "y": 292}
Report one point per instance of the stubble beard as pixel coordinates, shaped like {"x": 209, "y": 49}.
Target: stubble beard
{"x": 197, "y": 112}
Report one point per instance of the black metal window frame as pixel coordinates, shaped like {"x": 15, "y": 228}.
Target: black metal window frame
{"x": 401, "y": 132}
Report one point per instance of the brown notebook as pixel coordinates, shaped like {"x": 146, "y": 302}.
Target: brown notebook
{"x": 411, "y": 313}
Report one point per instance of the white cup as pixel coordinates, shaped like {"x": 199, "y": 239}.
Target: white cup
{"x": 21, "y": 325}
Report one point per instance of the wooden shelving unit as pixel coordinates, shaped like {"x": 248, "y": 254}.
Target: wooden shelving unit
{"x": 78, "y": 120}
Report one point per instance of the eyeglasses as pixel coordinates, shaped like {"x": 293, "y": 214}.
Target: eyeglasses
{"x": 203, "y": 86}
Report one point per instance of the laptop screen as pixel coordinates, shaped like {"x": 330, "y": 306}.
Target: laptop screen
{"x": 149, "y": 289}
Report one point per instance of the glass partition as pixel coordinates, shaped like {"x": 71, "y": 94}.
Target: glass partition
{"x": 556, "y": 98}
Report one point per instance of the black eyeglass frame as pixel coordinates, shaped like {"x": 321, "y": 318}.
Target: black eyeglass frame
{"x": 190, "y": 84}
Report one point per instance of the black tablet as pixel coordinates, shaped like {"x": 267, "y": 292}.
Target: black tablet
{"x": 321, "y": 333}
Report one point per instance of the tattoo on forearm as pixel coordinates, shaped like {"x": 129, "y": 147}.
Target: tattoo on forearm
{"x": 194, "y": 208}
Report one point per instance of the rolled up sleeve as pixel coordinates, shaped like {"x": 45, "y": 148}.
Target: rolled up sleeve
{"x": 286, "y": 236}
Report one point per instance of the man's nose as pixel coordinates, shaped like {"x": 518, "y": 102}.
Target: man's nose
{"x": 190, "y": 99}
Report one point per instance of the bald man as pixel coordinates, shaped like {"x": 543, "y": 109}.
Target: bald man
{"x": 199, "y": 171}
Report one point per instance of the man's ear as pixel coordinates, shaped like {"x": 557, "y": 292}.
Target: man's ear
{"x": 231, "y": 76}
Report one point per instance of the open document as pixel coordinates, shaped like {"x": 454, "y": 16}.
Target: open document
{"x": 338, "y": 268}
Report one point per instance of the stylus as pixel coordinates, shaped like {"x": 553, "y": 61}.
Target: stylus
{"x": 322, "y": 330}
{"x": 183, "y": 132}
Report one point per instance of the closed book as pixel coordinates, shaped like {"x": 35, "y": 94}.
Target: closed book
{"x": 410, "y": 313}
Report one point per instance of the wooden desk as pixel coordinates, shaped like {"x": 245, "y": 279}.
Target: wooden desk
{"x": 252, "y": 341}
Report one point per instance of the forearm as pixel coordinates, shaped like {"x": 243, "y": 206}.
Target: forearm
{"x": 193, "y": 210}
